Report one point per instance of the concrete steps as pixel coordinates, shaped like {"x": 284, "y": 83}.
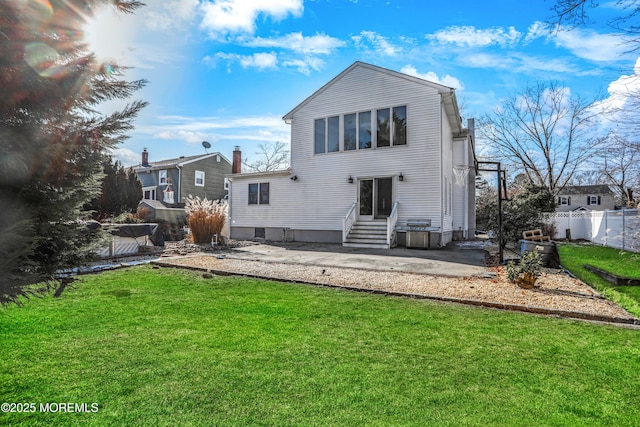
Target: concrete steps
{"x": 370, "y": 234}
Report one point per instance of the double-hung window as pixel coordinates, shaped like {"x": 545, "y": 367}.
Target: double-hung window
{"x": 162, "y": 176}
{"x": 200, "y": 178}
{"x": 259, "y": 193}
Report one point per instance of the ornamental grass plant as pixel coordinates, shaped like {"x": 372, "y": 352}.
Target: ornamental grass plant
{"x": 205, "y": 217}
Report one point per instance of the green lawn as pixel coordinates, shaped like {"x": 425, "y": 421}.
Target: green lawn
{"x": 164, "y": 347}
{"x": 627, "y": 264}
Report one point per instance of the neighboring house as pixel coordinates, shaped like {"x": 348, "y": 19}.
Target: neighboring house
{"x": 585, "y": 197}
{"x": 167, "y": 183}
{"x": 372, "y": 151}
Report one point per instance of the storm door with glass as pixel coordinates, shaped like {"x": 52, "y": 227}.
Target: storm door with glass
{"x": 375, "y": 197}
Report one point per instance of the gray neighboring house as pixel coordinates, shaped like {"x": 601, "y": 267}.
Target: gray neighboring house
{"x": 167, "y": 183}
{"x": 585, "y": 198}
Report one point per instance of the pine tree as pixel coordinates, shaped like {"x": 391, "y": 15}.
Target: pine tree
{"x": 120, "y": 191}
{"x": 53, "y": 140}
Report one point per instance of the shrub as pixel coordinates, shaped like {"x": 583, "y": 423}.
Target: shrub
{"x": 144, "y": 213}
{"x": 527, "y": 271}
{"x": 206, "y": 218}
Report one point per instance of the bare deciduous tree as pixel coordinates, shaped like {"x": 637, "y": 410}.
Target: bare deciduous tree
{"x": 542, "y": 131}
{"x": 575, "y": 13}
{"x": 271, "y": 157}
{"x": 619, "y": 164}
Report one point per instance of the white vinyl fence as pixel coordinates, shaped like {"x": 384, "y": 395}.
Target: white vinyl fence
{"x": 618, "y": 229}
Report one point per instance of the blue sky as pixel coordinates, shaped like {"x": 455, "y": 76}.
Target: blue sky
{"x": 226, "y": 71}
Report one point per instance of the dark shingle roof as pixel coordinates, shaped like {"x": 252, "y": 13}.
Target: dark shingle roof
{"x": 162, "y": 164}
{"x": 586, "y": 189}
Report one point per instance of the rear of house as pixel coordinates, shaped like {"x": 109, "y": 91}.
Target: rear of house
{"x": 371, "y": 151}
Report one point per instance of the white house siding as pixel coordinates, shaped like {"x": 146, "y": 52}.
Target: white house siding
{"x": 446, "y": 181}
{"x": 322, "y": 186}
{"x": 321, "y": 196}
{"x": 418, "y": 161}
{"x": 463, "y": 206}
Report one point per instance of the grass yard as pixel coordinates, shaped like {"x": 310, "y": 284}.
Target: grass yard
{"x": 164, "y": 347}
{"x": 627, "y": 264}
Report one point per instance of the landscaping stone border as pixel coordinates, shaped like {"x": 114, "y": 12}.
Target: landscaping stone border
{"x": 618, "y": 321}
{"x": 612, "y": 278}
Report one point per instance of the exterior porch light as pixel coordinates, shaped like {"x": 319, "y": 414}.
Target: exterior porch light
{"x": 350, "y": 180}
{"x": 401, "y": 177}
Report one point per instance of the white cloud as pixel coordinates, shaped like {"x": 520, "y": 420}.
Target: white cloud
{"x": 217, "y": 129}
{"x": 446, "y": 80}
{"x": 621, "y": 106}
{"x": 318, "y": 44}
{"x": 223, "y": 17}
{"x": 520, "y": 63}
{"x": 379, "y": 43}
{"x": 469, "y": 36}
{"x": 169, "y": 14}
{"x": 261, "y": 60}
{"x": 126, "y": 156}
{"x": 189, "y": 137}
{"x": 305, "y": 65}
{"x": 536, "y": 30}
{"x": 590, "y": 45}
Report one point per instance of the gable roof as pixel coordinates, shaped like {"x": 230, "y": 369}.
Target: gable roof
{"x": 447, "y": 93}
{"x": 180, "y": 161}
{"x": 586, "y": 189}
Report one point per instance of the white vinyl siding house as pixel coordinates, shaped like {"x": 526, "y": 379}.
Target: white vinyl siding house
{"x": 585, "y": 198}
{"x": 370, "y": 137}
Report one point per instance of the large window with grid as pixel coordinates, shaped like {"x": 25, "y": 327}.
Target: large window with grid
{"x": 384, "y": 127}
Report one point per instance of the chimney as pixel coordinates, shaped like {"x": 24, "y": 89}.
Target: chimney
{"x": 145, "y": 157}
{"x": 236, "y": 167}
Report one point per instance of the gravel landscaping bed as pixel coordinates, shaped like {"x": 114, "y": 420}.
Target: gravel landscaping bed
{"x": 556, "y": 293}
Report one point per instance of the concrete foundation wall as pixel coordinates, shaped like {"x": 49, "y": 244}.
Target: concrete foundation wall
{"x": 277, "y": 234}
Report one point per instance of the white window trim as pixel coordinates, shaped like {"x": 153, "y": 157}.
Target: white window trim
{"x": 196, "y": 179}
{"x": 564, "y": 200}
{"x": 152, "y": 192}
{"x": 258, "y": 201}
{"x": 162, "y": 174}
{"x": 373, "y": 123}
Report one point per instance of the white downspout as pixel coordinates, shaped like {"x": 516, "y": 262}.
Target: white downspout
{"x": 179, "y": 183}
{"x": 466, "y": 188}
{"x": 229, "y": 206}
{"x": 441, "y": 177}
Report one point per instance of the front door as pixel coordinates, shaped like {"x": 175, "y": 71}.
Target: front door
{"x": 375, "y": 197}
